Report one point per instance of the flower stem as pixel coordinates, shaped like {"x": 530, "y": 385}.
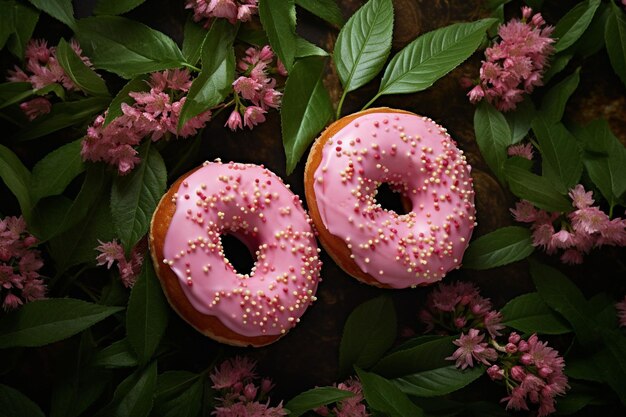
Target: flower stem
{"x": 343, "y": 96}
{"x": 369, "y": 103}
{"x": 192, "y": 67}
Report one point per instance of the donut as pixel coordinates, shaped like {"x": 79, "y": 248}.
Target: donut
{"x": 416, "y": 158}
{"x": 252, "y": 204}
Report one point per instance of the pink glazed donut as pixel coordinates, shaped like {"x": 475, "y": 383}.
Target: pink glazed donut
{"x": 418, "y": 159}
{"x": 252, "y": 204}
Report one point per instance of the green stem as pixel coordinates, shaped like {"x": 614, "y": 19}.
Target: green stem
{"x": 611, "y": 211}
{"x": 340, "y": 105}
{"x": 369, "y": 103}
{"x": 192, "y": 67}
{"x": 223, "y": 107}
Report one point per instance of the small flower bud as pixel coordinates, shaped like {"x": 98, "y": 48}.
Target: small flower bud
{"x": 517, "y": 373}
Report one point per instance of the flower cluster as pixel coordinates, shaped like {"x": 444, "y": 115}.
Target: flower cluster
{"x": 19, "y": 265}
{"x": 523, "y": 150}
{"x": 621, "y": 312}
{"x": 112, "y": 252}
{"x": 532, "y": 372}
{"x": 255, "y": 86}
{"x": 350, "y": 407}
{"x": 578, "y": 232}
{"x": 154, "y": 113}
{"x": 457, "y": 307}
{"x": 241, "y": 394}
{"x": 233, "y": 10}
{"x": 515, "y": 65}
{"x": 43, "y": 69}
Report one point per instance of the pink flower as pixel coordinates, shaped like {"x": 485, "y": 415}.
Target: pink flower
{"x": 111, "y": 252}
{"x": 353, "y": 406}
{"x": 248, "y": 88}
{"x": 522, "y": 150}
{"x": 472, "y": 347}
{"x": 542, "y": 234}
{"x": 476, "y": 94}
{"x": 232, "y": 371}
{"x": 495, "y": 373}
{"x": 20, "y": 281}
{"x": 175, "y": 79}
{"x": 492, "y": 323}
{"x": 253, "y": 116}
{"x": 621, "y": 312}
{"x": 562, "y": 239}
{"x": 516, "y": 63}
{"x": 232, "y": 10}
{"x": 234, "y": 121}
{"x": 36, "y": 107}
{"x": 589, "y": 220}
{"x": 525, "y": 212}
{"x": 580, "y": 198}
{"x": 572, "y": 257}
{"x": 613, "y": 233}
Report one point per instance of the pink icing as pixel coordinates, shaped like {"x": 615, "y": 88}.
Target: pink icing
{"x": 251, "y": 203}
{"x": 417, "y": 158}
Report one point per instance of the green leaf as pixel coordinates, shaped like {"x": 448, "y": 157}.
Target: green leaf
{"x": 493, "y": 136}
{"x": 17, "y": 179}
{"x": 134, "y": 197}
{"x": 171, "y": 383}
{"x": 186, "y": 404}
{"x": 428, "y": 355}
{"x": 47, "y": 215}
{"x": 84, "y": 77}
{"x": 89, "y": 191}
{"x": 431, "y": 56}
{"x": 216, "y": 77}
{"x": 565, "y": 298}
{"x": 139, "y": 83}
{"x": 7, "y": 26}
{"x": 14, "y": 92}
{"x": 42, "y": 322}
{"x": 592, "y": 41}
{"x": 63, "y": 115}
{"x": 306, "y": 108}
{"x": 115, "y": 7}
{"x": 117, "y": 355}
{"x": 193, "y": 38}
{"x": 314, "y": 398}
{"x": 278, "y": 18}
{"x": 604, "y": 159}
{"x": 52, "y": 174}
{"x": 583, "y": 368}
{"x": 615, "y": 40}
{"x": 369, "y": 331}
{"x": 520, "y": 119}
{"x": 15, "y": 404}
{"x": 78, "y": 244}
{"x": 553, "y": 103}
{"x": 126, "y": 47}
{"x": 134, "y": 396}
{"x": 529, "y": 313}
{"x": 573, "y": 24}
{"x": 59, "y": 9}
{"x": 538, "y": 190}
{"x": 578, "y": 397}
{"x": 77, "y": 383}
{"x": 364, "y": 43}
{"x": 436, "y": 382}
{"x": 324, "y": 9}
{"x": 557, "y": 64}
{"x": 500, "y": 247}
{"x": 24, "y": 21}
{"x": 383, "y": 396}
{"x": 305, "y": 49}
{"x": 147, "y": 314}
{"x": 562, "y": 162}
{"x": 611, "y": 361}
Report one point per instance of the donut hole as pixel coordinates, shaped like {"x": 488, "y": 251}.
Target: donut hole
{"x": 238, "y": 254}
{"x": 391, "y": 199}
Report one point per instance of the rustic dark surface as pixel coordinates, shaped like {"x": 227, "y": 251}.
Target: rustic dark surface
{"x": 308, "y": 355}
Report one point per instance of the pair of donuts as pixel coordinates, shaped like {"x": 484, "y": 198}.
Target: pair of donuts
{"x": 346, "y": 165}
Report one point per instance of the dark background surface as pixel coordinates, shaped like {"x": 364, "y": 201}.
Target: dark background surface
{"x": 308, "y": 355}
